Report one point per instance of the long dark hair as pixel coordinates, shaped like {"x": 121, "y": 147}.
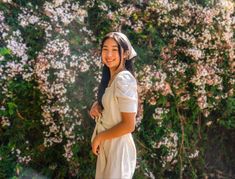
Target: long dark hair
{"x": 106, "y": 73}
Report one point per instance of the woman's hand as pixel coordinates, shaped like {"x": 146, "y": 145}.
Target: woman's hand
{"x": 96, "y": 144}
{"x": 95, "y": 111}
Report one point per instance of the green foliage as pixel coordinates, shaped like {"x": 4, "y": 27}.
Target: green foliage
{"x": 228, "y": 118}
{"x": 4, "y": 51}
{"x": 24, "y": 3}
{"x": 8, "y": 163}
{"x": 34, "y": 39}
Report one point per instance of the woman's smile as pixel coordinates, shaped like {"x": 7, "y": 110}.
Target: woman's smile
{"x": 110, "y": 60}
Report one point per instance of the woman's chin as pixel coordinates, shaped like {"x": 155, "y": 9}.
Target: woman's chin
{"x": 110, "y": 65}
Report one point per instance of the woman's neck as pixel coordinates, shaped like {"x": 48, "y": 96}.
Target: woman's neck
{"x": 114, "y": 72}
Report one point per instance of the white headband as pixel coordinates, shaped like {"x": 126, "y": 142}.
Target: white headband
{"x": 132, "y": 53}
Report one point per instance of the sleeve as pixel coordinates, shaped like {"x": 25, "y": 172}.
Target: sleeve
{"x": 126, "y": 92}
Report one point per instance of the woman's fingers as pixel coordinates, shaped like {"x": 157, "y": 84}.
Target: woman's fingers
{"x": 94, "y": 112}
{"x": 90, "y": 113}
{"x": 95, "y": 149}
{"x": 94, "y": 152}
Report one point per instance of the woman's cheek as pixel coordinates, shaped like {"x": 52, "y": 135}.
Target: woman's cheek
{"x": 117, "y": 56}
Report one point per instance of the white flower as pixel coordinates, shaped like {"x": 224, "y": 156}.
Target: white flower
{"x": 5, "y": 122}
{"x": 194, "y": 155}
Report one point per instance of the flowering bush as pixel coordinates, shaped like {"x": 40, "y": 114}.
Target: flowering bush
{"x": 50, "y": 66}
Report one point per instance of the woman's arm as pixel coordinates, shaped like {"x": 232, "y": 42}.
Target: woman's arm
{"x": 127, "y": 125}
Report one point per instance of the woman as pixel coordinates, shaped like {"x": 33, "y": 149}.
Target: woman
{"x": 115, "y": 110}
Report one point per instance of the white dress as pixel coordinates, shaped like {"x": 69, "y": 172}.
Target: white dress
{"x": 117, "y": 157}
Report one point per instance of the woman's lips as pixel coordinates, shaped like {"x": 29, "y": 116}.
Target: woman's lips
{"x": 110, "y": 60}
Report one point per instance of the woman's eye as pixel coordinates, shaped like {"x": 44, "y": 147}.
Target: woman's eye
{"x": 106, "y": 50}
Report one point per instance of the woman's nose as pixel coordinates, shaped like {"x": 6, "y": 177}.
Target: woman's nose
{"x": 109, "y": 54}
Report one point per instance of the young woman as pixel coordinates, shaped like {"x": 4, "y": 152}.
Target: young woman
{"x": 115, "y": 110}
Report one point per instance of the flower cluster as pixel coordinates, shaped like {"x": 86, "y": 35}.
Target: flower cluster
{"x": 54, "y": 69}
{"x": 159, "y": 115}
{"x": 4, "y": 121}
{"x": 145, "y": 81}
{"x": 160, "y": 85}
{"x": 3, "y": 27}
{"x": 200, "y": 60}
{"x": 194, "y": 155}
{"x": 16, "y": 45}
{"x": 121, "y": 17}
{"x": 152, "y": 83}
{"x": 68, "y": 150}
{"x": 25, "y": 159}
{"x": 196, "y": 64}
{"x": 138, "y": 26}
{"x": 171, "y": 143}
{"x": 54, "y": 58}
{"x": 149, "y": 174}
{"x": 18, "y": 64}
{"x": 65, "y": 12}
{"x": 27, "y": 18}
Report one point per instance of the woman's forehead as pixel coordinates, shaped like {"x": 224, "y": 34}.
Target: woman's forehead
{"x": 110, "y": 42}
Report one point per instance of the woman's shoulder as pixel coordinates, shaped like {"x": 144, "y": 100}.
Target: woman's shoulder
{"x": 125, "y": 77}
{"x": 125, "y": 74}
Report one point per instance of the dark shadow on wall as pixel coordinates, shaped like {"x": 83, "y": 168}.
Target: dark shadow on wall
{"x": 220, "y": 153}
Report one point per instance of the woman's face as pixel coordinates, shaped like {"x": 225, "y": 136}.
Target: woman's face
{"x": 110, "y": 55}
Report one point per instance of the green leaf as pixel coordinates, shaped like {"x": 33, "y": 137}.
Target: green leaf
{"x": 11, "y": 107}
{"x": 4, "y": 51}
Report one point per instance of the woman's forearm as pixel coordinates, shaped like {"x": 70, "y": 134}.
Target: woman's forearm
{"x": 118, "y": 130}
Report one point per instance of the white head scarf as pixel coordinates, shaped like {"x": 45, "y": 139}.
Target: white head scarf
{"x": 131, "y": 52}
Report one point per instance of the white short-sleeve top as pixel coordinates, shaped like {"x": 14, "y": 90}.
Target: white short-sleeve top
{"x": 125, "y": 91}
{"x": 121, "y": 96}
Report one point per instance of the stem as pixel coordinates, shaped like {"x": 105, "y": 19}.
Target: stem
{"x": 19, "y": 115}
{"x": 199, "y": 127}
{"x": 142, "y": 145}
{"x": 181, "y": 149}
